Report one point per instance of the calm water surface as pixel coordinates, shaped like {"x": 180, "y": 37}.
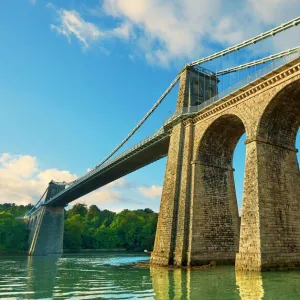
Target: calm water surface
{"x": 114, "y": 276}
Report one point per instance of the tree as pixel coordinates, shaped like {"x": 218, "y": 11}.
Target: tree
{"x": 87, "y": 228}
{"x": 106, "y": 238}
{"x": 78, "y": 209}
{"x": 73, "y": 232}
{"x": 13, "y": 233}
{"x": 93, "y": 212}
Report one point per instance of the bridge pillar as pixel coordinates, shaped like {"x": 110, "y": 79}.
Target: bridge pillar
{"x": 182, "y": 236}
{"x": 47, "y": 237}
{"x": 270, "y": 227}
{"x": 47, "y": 226}
{"x": 163, "y": 253}
{"x": 214, "y": 219}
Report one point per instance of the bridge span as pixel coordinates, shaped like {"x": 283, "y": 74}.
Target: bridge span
{"x": 146, "y": 152}
{"x": 198, "y": 220}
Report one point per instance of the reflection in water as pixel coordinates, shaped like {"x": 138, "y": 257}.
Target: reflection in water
{"x": 180, "y": 285}
{"x": 169, "y": 283}
{"x": 114, "y": 276}
{"x": 195, "y": 284}
{"x": 42, "y": 275}
{"x": 250, "y": 285}
{"x": 161, "y": 278}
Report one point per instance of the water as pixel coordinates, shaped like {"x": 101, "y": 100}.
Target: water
{"x": 114, "y": 276}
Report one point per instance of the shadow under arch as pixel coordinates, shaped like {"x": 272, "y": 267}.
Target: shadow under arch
{"x": 270, "y": 228}
{"x": 281, "y": 119}
{"x": 215, "y": 217}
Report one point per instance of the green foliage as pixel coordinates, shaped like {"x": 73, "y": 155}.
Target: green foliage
{"x": 74, "y": 226}
{"x": 106, "y": 238}
{"x": 85, "y": 228}
{"x": 78, "y": 209}
{"x": 15, "y": 210}
{"x": 95, "y": 229}
{"x": 13, "y": 232}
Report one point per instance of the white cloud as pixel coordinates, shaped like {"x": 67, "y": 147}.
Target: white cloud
{"x": 113, "y": 196}
{"x": 274, "y": 11}
{"x": 165, "y": 32}
{"x": 123, "y": 31}
{"x": 71, "y": 23}
{"x": 153, "y": 191}
{"x": 56, "y": 175}
{"x": 19, "y": 165}
{"x": 180, "y": 30}
{"x": 33, "y": 2}
{"x": 22, "y": 182}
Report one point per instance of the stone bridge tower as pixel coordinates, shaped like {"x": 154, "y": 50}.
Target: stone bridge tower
{"x": 47, "y": 226}
{"x": 199, "y": 220}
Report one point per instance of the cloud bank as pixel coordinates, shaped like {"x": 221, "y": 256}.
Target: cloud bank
{"x": 167, "y": 31}
{"x": 22, "y": 182}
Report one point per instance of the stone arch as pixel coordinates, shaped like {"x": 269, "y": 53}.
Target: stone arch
{"x": 270, "y": 230}
{"x": 277, "y": 130}
{"x": 218, "y": 142}
{"x": 280, "y": 120}
{"x": 216, "y": 219}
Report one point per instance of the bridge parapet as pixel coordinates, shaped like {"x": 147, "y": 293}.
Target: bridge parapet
{"x": 198, "y": 221}
{"x": 245, "y": 83}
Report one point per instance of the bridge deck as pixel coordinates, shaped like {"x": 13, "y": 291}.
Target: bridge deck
{"x": 156, "y": 146}
{"x": 144, "y": 153}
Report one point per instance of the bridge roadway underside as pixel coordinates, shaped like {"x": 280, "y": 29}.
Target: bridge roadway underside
{"x": 146, "y": 154}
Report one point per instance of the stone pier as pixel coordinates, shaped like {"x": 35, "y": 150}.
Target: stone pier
{"x": 47, "y": 226}
{"x": 198, "y": 220}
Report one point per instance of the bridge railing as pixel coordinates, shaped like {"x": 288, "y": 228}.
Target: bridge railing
{"x": 183, "y": 112}
{"x": 101, "y": 167}
{"x": 158, "y": 133}
{"x": 253, "y": 77}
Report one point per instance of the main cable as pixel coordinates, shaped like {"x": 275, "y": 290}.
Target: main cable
{"x": 153, "y": 108}
{"x": 260, "y": 61}
{"x": 248, "y": 42}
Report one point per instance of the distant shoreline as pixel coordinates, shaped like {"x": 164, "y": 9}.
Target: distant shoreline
{"x": 68, "y": 251}
{"x": 93, "y": 250}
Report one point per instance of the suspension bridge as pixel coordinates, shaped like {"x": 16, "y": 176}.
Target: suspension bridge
{"x": 204, "y": 116}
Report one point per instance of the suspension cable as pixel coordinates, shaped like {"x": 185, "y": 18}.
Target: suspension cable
{"x": 153, "y": 108}
{"x": 260, "y": 37}
{"x": 37, "y": 202}
{"x": 248, "y": 42}
{"x": 259, "y": 61}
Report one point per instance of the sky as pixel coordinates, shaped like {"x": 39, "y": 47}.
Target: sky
{"x": 77, "y": 76}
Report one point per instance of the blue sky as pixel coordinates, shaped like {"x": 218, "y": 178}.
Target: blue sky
{"x": 76, "y": 77}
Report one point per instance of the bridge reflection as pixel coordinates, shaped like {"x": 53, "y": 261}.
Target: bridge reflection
{"x": 250, "y": 285}
{"x": 50, "y": 278}
{"x": 42, "y": 275}
{"x": 223, "y": 283}
{"x": 188, "y": 284}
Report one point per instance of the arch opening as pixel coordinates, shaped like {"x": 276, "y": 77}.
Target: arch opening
{"x": 281, "y": 119}
{"x": 279, "y": 178}
{"x": 219, "y": 141}
{"x": 239, "y": 157}
{"x": 215, "y": 187}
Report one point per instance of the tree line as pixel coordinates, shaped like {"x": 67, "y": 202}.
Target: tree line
{"x": 85, "y": 228}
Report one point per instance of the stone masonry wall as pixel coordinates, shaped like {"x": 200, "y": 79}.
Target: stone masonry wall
{"x": 205, "y": 227}
{"x": 48, "y": 232}
{"x": 167, "y": 219}
{"x": 185, "y": 197}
